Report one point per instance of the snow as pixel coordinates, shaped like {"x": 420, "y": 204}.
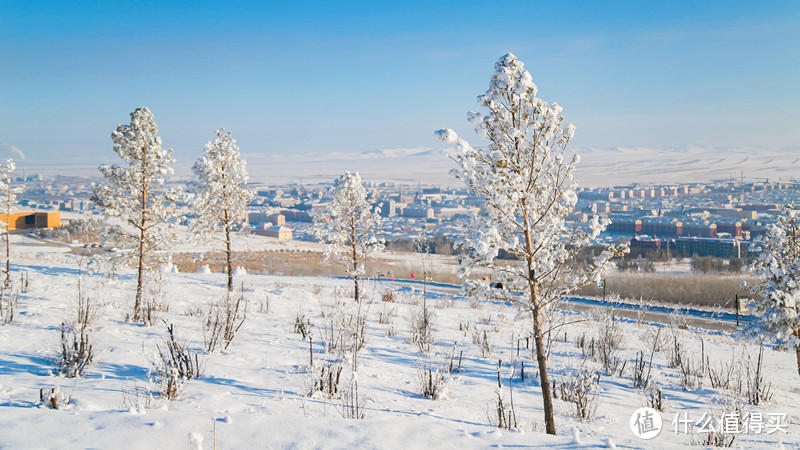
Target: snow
{"x": 257, "y": 392}
{"x": 169, "y": 268}
{"x": 350, "y": 225}
{"x": 778, "y": 266}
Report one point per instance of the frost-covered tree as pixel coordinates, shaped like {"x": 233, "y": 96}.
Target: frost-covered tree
{"x": 524, "y": 175}
{"x": 777, "y": 296}
{"x": 136, "y": 191}
{"x": 223, "y": 197}
{"x": 8, "y": 197}
{"x": 350, "y": 227}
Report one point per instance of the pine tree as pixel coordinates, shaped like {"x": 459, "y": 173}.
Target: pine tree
{"x": 777, "y": 295}
{"x": 136, "y": 191}
{"x": 525, "y": 177}
{"x": 8, "y": 197}
{"x": 224, "y": 196}
{"x": 350, "y": 227}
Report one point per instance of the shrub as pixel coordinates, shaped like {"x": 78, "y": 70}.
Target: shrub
{"x": 177, "y": 365}
{"x": 655, "y": 399}
{"x": 758, "y": 389}
{"x": 352, "y": 404}
{"x": 327, "y": 383}
{"x": 12, "y": 299}
{"x": 431, "y": 380}
{"x": 580, "y": 389}
{"x": 608, "y": 343}
{"x": 77, "y": 351}
{"x": 421, "y": 333}
{"x": 504, "y": 415}
{"x": 53, "y": 398}
{"x": 389, "y": 297}
{"x": 224, "y": 320}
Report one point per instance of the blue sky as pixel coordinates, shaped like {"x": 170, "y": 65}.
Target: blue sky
{"x": 300, "y": 78}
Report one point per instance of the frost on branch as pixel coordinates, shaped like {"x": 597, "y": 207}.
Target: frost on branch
{"x": 524, "y": 175}
{"x": 223, "y": 198}
{"x": 777, "y": 296}
{"x": 8, "y": 198}
{"x": 136, "y": 192}
{"x": 350, "y": 228}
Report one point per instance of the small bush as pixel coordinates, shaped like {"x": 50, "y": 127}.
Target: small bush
{"x": 327, "y": 383}
{"x": 386, "y": 315}
{"x": 77, "y": 351}
{"x": 224, "y": 320}
{"x": 580, "y": 389}
{"x": 655, "y": 399}
{"x": 53, "y": 398}
{"x": 657, "y": 340}
{"x": 453, "y": 364}
{"x": 586, "y": 345}
{"x": 152, "y": 307}
{"x": 302, "y": 326}
{"x": 421, "y": 332}
{"x": 608, "y": 343}
{"x": 720, "y": 376}
{"x": 177, "y": 365}
{"x": 12, "y": 299}
{"x": 758, "y": 389}
{"x": 691, "y": 375}
{"x": 480, "y": 338}
{"x": 431, "y": 380}
{"x": 642, "y": 370}
{"x": 676, "y": 355}
{"x": 352, "y": 405}
{"x": 504, "y": 415}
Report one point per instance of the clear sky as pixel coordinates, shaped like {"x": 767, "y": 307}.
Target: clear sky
{"x": 294, "y": 77}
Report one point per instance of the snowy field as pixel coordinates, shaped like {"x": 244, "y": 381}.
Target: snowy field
{"x": 258, "y": 392}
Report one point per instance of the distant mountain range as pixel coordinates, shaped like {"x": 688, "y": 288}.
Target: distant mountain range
{"x": 598, "y": 166}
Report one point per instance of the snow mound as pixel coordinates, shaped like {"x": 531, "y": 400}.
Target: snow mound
{"x": 169, "y": 268}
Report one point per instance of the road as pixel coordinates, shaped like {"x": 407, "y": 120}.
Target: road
{"x": 665, "y": 315}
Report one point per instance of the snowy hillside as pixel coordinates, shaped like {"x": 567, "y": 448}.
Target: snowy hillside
{"x": 258, "y": 393}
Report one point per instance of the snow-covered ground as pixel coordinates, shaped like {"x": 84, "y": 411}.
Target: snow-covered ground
{"x": 256, "y": 394}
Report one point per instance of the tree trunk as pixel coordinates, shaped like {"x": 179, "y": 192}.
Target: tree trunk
{"x": 228, "y": 255}
{"x": 355, "y": 254}
{"x": 541, "y": 360}
{"x": 541, "y": 355}
{"x": 797, "y": 351}
{"x": 137, "y": 306}
{"x": 355, "y": 274}
{"x": 797, "y": 354}
{"x": 355, "y": 280}
{"x": 8, "y": 235}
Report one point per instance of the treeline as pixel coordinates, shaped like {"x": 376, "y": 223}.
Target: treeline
{"x": 440, "y": 245}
